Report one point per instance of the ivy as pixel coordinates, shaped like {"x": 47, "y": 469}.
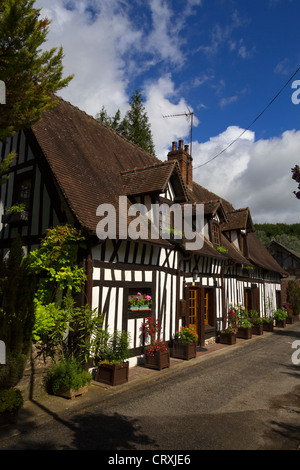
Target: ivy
{"x": 56, "y": 263}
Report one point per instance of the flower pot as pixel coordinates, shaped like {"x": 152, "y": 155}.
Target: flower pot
{"x": 228, "y": 338}
{"x": 72, "y": 393}
{"x": 257, "y": 329}
{"x": 244, "y": 333}
{"x": 159, "y": 360}
{"x": 15, "y": 218}
{"x": 289, "y": 320}
{"x": 184, "y": 350}
{"x": 8, "y": 417}
{"x": 112, "y": 374}
{"x": 280, "y": 323}
{"x": 268, "y": 326}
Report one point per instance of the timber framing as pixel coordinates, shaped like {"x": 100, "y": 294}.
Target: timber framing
{"x": 68, "y": 164}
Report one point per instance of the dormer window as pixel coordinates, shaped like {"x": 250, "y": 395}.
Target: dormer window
{"x": 215, "y": 231}
{"x": 243, "y": 244}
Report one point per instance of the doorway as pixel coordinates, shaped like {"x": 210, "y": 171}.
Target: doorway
{"x": 200, "y": 311}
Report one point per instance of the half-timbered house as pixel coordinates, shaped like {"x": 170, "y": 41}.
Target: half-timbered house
{"x": 69, "y": 164}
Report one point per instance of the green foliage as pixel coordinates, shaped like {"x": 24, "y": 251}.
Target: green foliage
{"x": 17, "y": 294}
{"x": 30, "y": 73}
{"x": 187, "y": 334}
{"x": 287, "y": 235}
{"x": 280, "y": 314}
{"x": 65, "y": 375}
{"x": 255, "y": 319}
{"x": 293, "y": 296}
{"x": 10, "y": 400}
{"x": 16, "y": 208}
{"x": 134, "y": 126}
{"x": 56, "y": 262}
{"x": 116, "y": 348}
{"x": 13, "y": 371}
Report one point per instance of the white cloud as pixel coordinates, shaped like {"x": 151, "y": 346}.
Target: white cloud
{"x": 255, "y": 174}
{"x": 162, "y": 100}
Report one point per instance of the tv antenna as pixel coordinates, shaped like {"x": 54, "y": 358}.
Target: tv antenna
{"x": 190, "y": 116}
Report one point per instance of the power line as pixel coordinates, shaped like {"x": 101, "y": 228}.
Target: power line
{"x": 245, "y": 130}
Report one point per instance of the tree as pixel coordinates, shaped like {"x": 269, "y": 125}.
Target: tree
{"x": 17, "y": 312}
{"x": 296, "y": 177}
{"x": 31, "y": 76}
{"x": 134, "y": 126}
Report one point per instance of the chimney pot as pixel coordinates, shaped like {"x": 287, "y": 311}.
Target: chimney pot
{"x": 180, "y": 147}
{"x": 174, "y": 146}
{"x": 186, "y": 148}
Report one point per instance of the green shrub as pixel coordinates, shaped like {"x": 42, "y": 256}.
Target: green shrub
{"x": 280, "y": 314}
{"x": 13, "y": 370}
{"x": 10, "y": 400}
{"x": 117, "y": 348}
{"x": 66, "y": 375}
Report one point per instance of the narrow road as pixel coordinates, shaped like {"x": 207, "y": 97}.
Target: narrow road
{"x": 245, "y": 398}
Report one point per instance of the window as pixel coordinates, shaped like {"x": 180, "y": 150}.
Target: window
{"x": 140, "y": 299}
{"x": 22, "y": 191}
{"x": 216, "y": 235}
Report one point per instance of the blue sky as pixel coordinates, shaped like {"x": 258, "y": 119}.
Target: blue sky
{"x": 224, "y": 60}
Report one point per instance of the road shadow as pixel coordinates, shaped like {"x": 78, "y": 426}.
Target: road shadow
{"x": 87, "y": 430}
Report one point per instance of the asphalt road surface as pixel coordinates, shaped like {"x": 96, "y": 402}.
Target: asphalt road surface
{"x": 245, "y": 398}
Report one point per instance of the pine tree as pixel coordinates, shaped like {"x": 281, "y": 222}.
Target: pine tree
{"x": 134, "y": 126}
{"x": 31, "y": 76}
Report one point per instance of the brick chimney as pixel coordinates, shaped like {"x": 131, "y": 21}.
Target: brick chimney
{"x": 182, "y": 155}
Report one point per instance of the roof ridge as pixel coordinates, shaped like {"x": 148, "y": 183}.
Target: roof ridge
{"x": 147, "y": 167}
{"x": 89, "y": 116}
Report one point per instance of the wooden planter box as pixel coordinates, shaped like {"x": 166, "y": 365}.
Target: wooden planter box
{"x": 244, "y": 333}
{"x": 184, "y": 350}
{"x": 15, "y": 218}
{"x": 160, "y": 360}
{"x": 257, "y": 329}
{"x": 228, "y": 338}
{"x": 71, "y": 394}
{"x": 280, "y": 323}
{"x": 113, "y": 374}
{"x": 8, "y": 417}
{"x": 268, "y": 326}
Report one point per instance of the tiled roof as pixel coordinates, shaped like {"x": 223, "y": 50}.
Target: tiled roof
{"x": 154, "y": 179}
{"x": 238, "y": 219}
{"x": 93, "y": 164}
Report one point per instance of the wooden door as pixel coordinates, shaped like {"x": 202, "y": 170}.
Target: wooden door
{"x": 193, "y": 307}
